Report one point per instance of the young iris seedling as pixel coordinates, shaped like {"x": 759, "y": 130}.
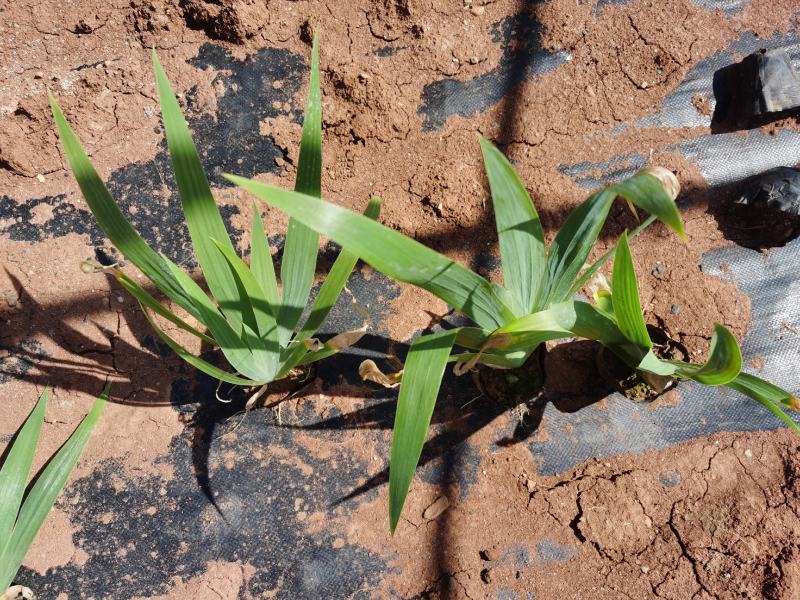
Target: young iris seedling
{"x": 536, "y": 304}
{"x": 21, "y": 514}
{"x": 621, "y": 306}
{"x": 536, "y": 279}
{"x": 254, "y": 324}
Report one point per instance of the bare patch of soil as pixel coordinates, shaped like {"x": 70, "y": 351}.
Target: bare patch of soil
{"x": 222, "y": 580}
{"x": 714, "y": 518}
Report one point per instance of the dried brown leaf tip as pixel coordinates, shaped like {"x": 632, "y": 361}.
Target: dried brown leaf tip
{"x": 369, "y": 371}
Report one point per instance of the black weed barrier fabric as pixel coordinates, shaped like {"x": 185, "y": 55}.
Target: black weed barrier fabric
{"x": 141, "y": 531}
{"x": 231, "y": 142}
{"x": 232, "y": 497}
{"x": 242, "y": 488}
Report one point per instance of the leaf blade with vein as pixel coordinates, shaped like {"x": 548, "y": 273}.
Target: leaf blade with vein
{"x": 768, "y": 395}
{"x": 15, "y": 469}
{"x": 575, "y": 239}
{"x": 724, "y": 359}
{"x": 110, "y": 218}
{"x": 300, "y": 248}
{"x": 261, "y": 260}
{"x": 44, "y": 491}
{"x": 200, "y": 210}
{"x": 334, "y": 283}
{"x": 522, "y": 248}
{"x": 422, "y": 376}
{"x": 392, "y": 253}
{"x": 252, "y": 293}
{"x": 626, "y": 305}
{"x": 231, "y": 342}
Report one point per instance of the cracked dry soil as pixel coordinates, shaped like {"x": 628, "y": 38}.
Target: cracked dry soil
{"x": 717, "y": 517}
{"x": 720, "y": 521}
{"x": 714, "y": 518}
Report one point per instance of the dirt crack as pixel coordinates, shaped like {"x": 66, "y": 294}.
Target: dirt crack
{"x": 685, "y": 550}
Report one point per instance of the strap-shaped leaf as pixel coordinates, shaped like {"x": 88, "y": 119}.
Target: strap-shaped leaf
{"x": 147, "y": 300}
{"x": 334, "y": 283}
{"x": 755, "y": 386}
{"x": 43, "y": 493}
{"x": 197, "y": 362}
{"x": 110, "y": 218}
{"x": 261, "y": 260}
{"x": 578, "y": 235}
{"x": 299, "y": 261}
{"x": 231, "y": 341}
{"x": 203, "y": 218}
{"x": 508, "y": 299}
{"x": 563, "y": 320}
{"x": 648, "y": 192}
{"x": 593, "y": 268}
{"x": 507, "y": 360}
{"x": 519, "y": 230}
{"x": 15, "y": 469}
{"x": 626, "y": 304}
{"x": 391, "y": 252}
{"x": 267, "y": 332}
{"x": 768, "y": 395}
{"x": 572, "y": 245}
{"x": 724, "y": 360}
{"x": 422, "y": 377}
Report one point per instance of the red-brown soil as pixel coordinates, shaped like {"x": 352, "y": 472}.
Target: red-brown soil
{"x": 717, "y": 517}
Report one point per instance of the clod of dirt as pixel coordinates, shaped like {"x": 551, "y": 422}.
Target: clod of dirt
{"x": 436, "y": 508}
{"x": 307, "y": 32}
{"x": 149, "y": 20}
{"x": 767, "y": 214}
{"x": 489, "y": 555}
{"x": 783, "y": 575}
{"x": 82, "y": 27}
{"x": 228, "y": 20}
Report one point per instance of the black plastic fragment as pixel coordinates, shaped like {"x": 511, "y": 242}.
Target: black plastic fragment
{"x": 768, "y": 212}
{"x": 761, "y": 87}
{"x": 777, "y": 86}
